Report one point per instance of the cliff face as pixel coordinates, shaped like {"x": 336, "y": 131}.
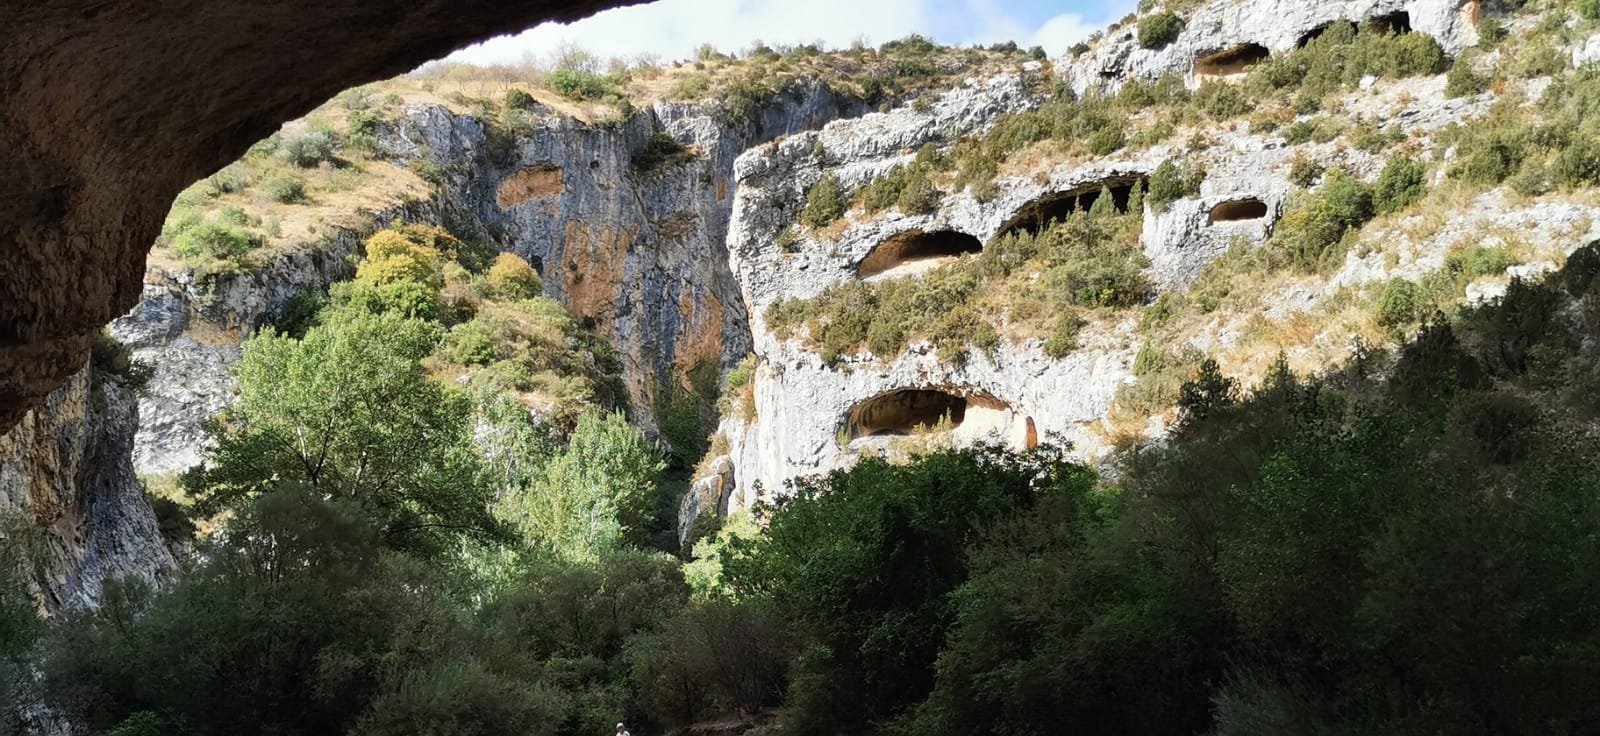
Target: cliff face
{"x": 637, "y": 249}
{"x": 111, "y": 110}
{"x": 811, "y": 416}
{"x": 67, "y": 468}
{"x": 189, "y": 332}
{"x": 1215, "y": 30}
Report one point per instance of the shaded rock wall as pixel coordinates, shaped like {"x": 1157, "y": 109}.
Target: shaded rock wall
{"x": 66, "y": 467}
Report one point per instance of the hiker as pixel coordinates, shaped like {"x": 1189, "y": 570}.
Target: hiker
{"x": 622, "y": 730}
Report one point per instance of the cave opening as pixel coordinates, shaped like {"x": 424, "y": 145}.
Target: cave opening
{"x": 1394, "y": 23}
{"x": 1036, "y": 216}
{"x": 901, "y": 413}
{"x": 1322, "y": 30}
{"x": 1231, "y": 61}
{"x": 1241, "y": 210}
{"x": 916, "y": 251}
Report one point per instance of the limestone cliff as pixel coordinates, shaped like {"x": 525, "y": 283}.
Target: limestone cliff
{"x": 1222, "y": 37}
{"x": 67, "y": 469}
{"x": 812, "y": 415}
{"x": 637, "y": 250}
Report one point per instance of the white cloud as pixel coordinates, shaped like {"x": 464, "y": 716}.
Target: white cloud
{"x": 672, "y": 29}
{"x": 1059, "y": 33}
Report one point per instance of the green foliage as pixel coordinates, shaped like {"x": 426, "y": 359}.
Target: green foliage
{"x": 1172, "y": 181}
{"x": 825, "y": 202}
{"x": 906, "y": 187}
{"x": 583, "y": 85}
{"x": 300, "y": 622}
{"x": 519, "y": 98}
{"x": 661, "y": 149}
{"x": 20, "y": 625}
{"x": 1304, "y": 172}
{"x": 1091, "y": 259}
{"x": 536, "y": 345}
{"x": 1402, "y": 184}
{"x": 112, "y": 357}
{"x": 511, "y": 277}
{"x": 286, "y": 189}
{"x": 1589, "y": 9}
{"x": 1159, "y": 30}
{"x": 1462, "y": 81}
{"x": 1547, "y": 146}
{"x": 214, "y": 241}
{"x": 1063, "y": 340}
{"x": 592, "y": 498}
{"x": 1399, "y": 304}
{"x": 1311, "y": 234}
{"x": 884, "y": 543}
{"x": 349, "y": 412}
{"x": 308, "y": 149}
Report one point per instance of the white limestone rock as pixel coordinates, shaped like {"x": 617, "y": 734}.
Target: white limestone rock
{"x": 1276, "y": 25}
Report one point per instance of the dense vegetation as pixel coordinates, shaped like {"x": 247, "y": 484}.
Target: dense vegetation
{"x": 427, "y": 516}
{"x": 1403, "y": 546}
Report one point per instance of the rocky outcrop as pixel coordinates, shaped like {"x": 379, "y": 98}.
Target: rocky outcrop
{"x": 805, "y": 408}
{"x": 189, "y": 332}
{"x": 636, "y": 250}
{"x": 1277, "y": 26}
{"x": 112, "y": 109}
{"x": 634, "y": 247}
{"x": 66, "y": 469}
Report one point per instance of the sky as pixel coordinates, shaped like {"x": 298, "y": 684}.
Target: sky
{"x": 671, "y": 30}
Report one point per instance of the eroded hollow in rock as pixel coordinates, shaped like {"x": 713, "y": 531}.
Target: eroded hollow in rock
{"x": 904, "y": 412}
{"x": 1231, "y": 61}
{"x": 1037, "y": 215}
{"x": 1318, "y": 32}
{"x": 916, "y": 251}
{"x": 900, "y": 413}
{"x": 1240, "y": 210}
{"x": 1399, "y": 22}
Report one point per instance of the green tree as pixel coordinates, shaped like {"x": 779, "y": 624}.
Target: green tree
{"x": 824, "y": 202}
{"x": 349, "y": 412}
{"x": 593, "y": 497}
{"x": 284, "y": 628}
{"x": 19, "y": 619}
{"x": 864, "y": 560}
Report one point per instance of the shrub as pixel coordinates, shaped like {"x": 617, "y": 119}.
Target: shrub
{"x": 1401, "y": 185}
{"x": 1310, "y": 235}
{"x": 286, "y": 189}
{"x": 511, "y": 277}
{"x": 576, "y": 84}
{"x": 232, "y": 178}
{"x": 1159, "y": 30}
{"x": 661, "y": 148}
{"x": 1305, "y": 171}
{"x": 1462, "y": 81}
{"x": 222, "y": 242}
{"x": 1399, "y": 304}
{"x": 824, "y": 202}
{"x": 1171, "y": 182}
{"x": 309, "y": 149}
{"x": 432, "y": 171}
{"x": 1589, "y": 9}
{"x": 919, "y": 196}
{"x": 1063, "y": 340}
{"x": 520, "y": 99}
